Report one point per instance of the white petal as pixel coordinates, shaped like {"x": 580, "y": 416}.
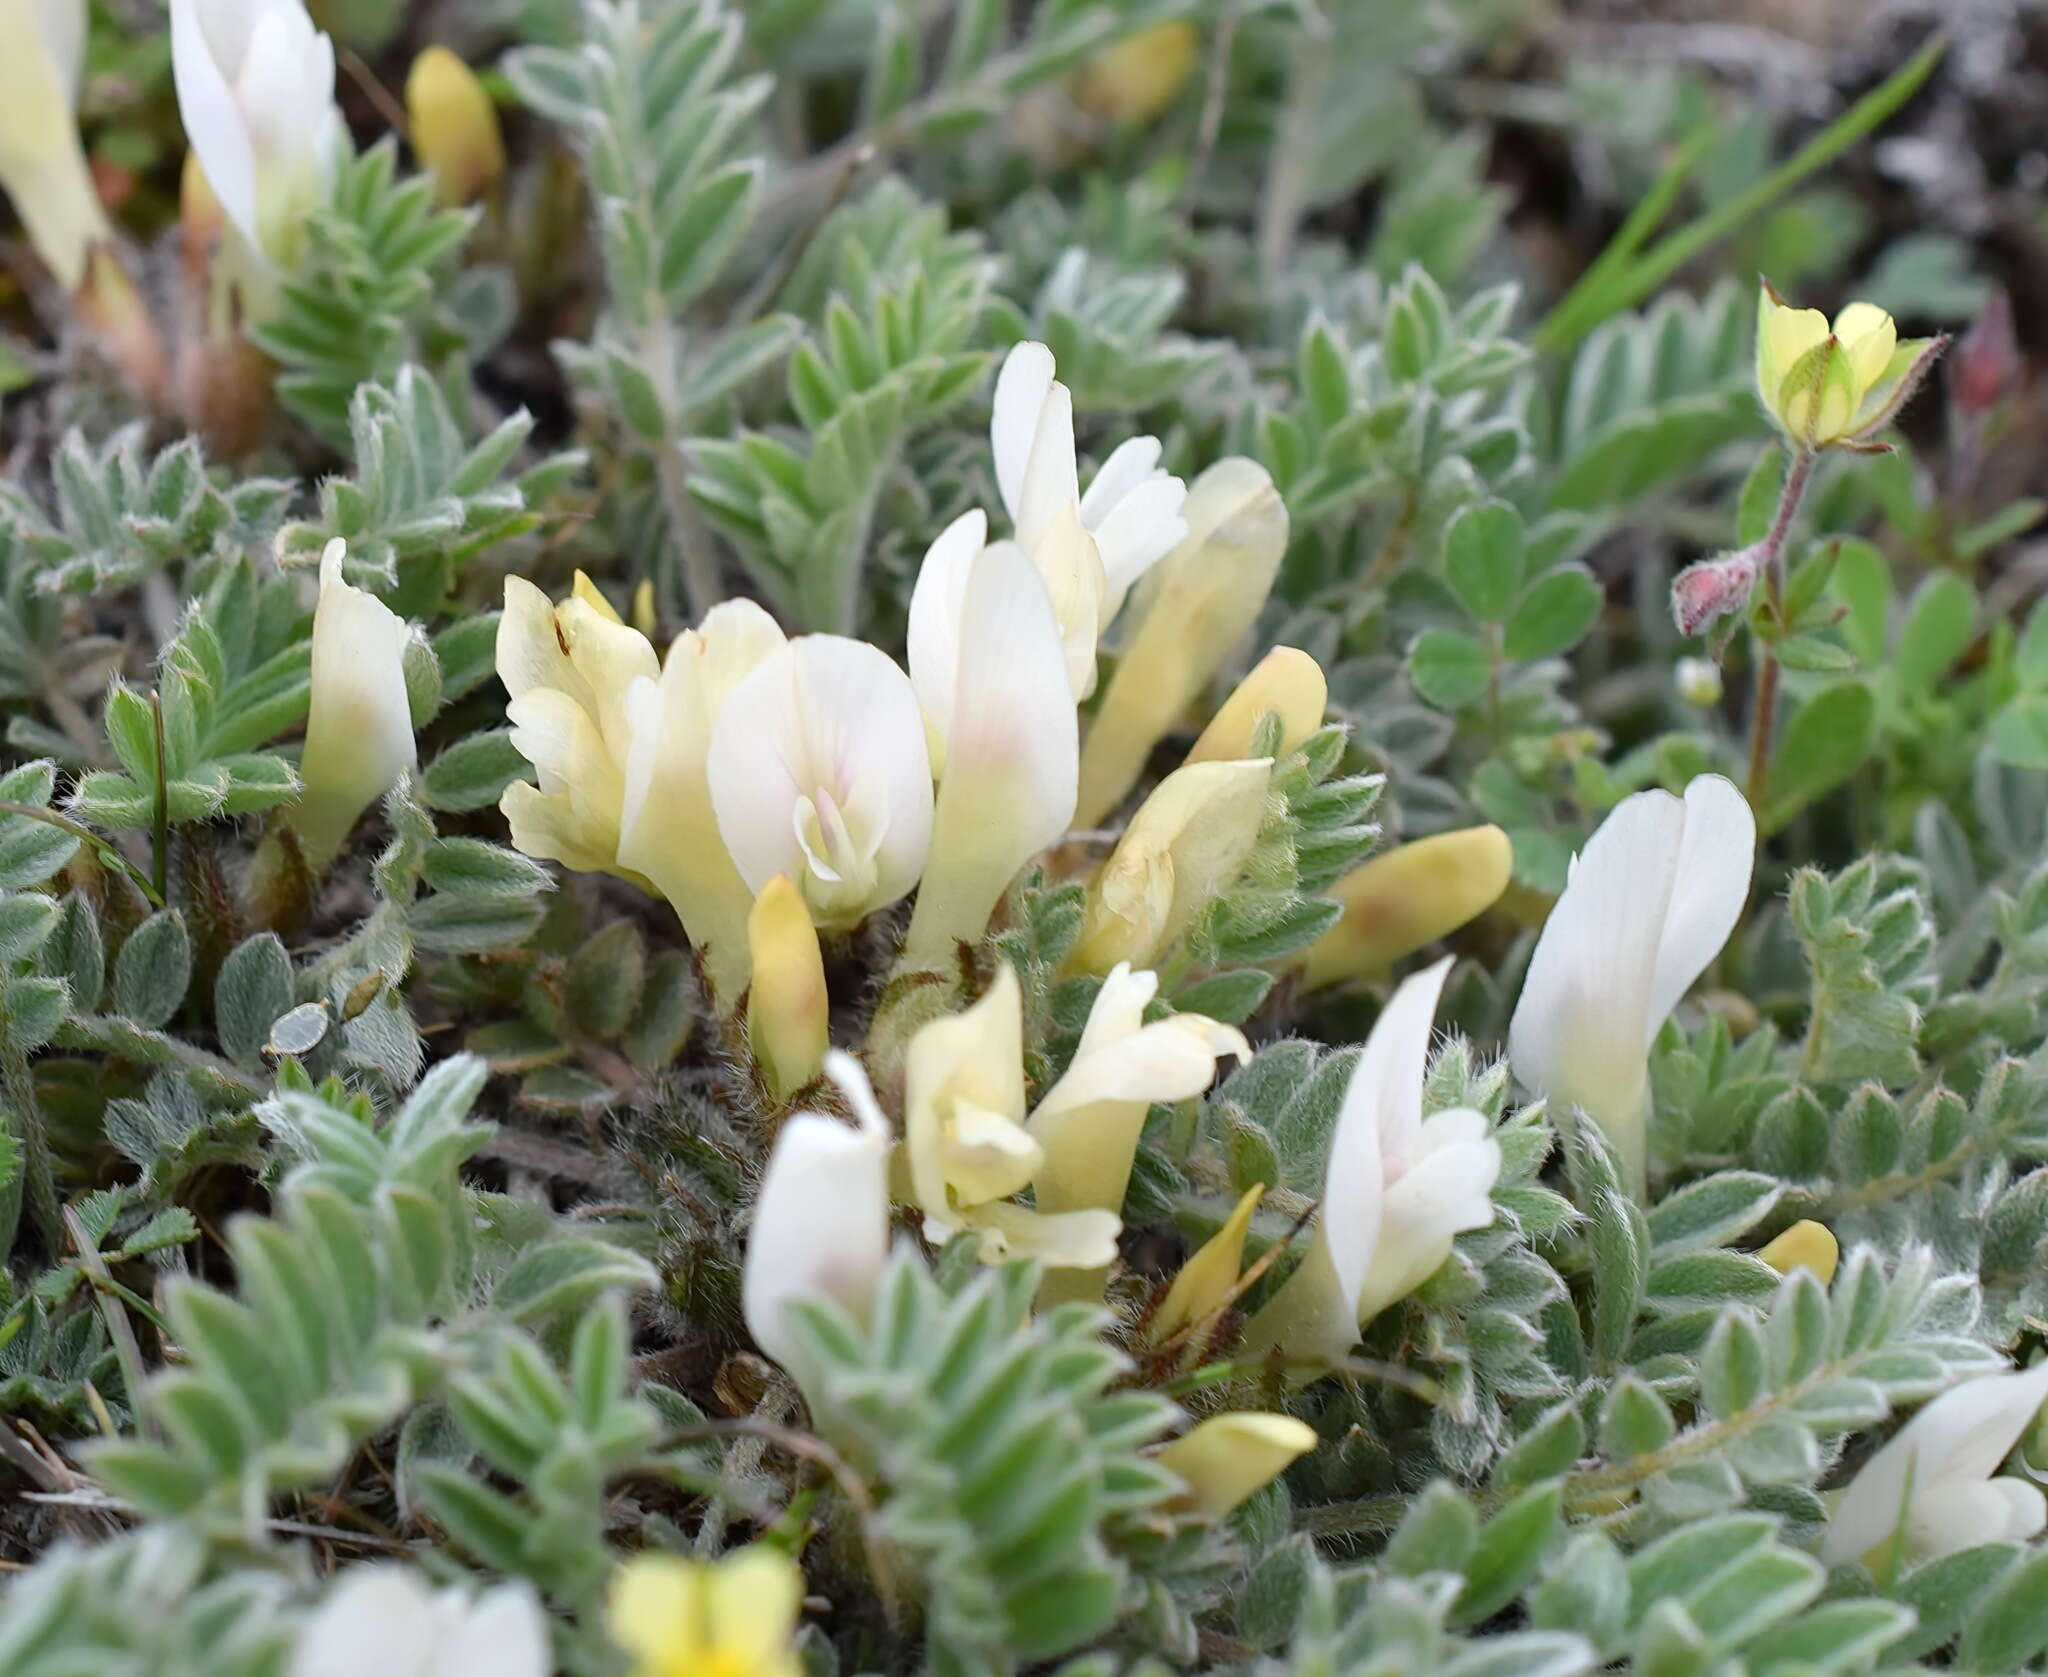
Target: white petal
{"x": 1386, "y": 1088}
{"x": 833, "y": 716}
{"x": 1707, "y": 892}
{"x": 1013, "y": 753}
{"x": 936, "y": 603}
{"x": 359, "y": 736}
{"x": 207, "y": 105}
{"x": 503, "y": 1632}
{"x": 1119, "y": 1008}
{"x": 1142, "y": 529}
{"x": 1579, "y": 1029}
{"x": 1051, "y": 492}
{"x": 1021, "y": 388}
{"x": 1959, "y": 1438}
{"x": 381, "y": 1619}
{"x": 821, "y": 1225}
{"x": 1130, "y": 463}
{"x": 1059, "y": 1240}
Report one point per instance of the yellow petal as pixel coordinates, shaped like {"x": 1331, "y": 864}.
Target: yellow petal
{"x": 1868, "y": 336}
{"x": 1228, "y": 1458}
{"x": 592, "y": 596}
{"x": 756, "y": 1593}
{"x": 788, "y": 1008}
{"x": 1186, "y": 846}
{"x": 1805, "y": 1245}
{"x": 1416, "y": 893}
{"x": 1131, "y": 81}
{"x": 656, "y": 1611}
{"x": 455, "y": 132}
{"x": 1287, "y": 683}
{"x": 1206, "y": 1279}
{"x": 1792, "y": 332}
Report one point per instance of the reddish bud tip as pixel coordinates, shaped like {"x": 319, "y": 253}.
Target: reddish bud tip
{"x": 1712, "y": 589}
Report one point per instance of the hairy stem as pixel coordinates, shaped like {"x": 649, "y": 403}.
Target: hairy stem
{"x": 1771, "y": 559}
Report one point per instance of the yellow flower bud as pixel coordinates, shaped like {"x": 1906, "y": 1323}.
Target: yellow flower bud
{"x": 1406, "y": 899}
{"x": 1228, "y": 1458}
{"x": 1191, "y": 609}
{"x": 1206, "y": 1280}
{"x": 735, "y": 1616}
{"x": 1698, "y": 681}
{"x": 1129, "y": 82}
{"x": 644, "y": 617}
{"x": 1286, "y": 683}
{"x": 1805, "y": 1245}
{"x": 787, "y": 1010}
{"x": 1186, "y": 846}
{"x": 1835, "y": 386}
{"x": 454, "y": 126}
{"x": 199, "y": 209}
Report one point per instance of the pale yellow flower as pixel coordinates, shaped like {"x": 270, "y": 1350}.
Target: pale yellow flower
{"x": 1835, "y": 385}
{"x": 1406, "y": 899}
{"x": 1186, "y": 846}
{"x": 733, "y": 1617}
{"x": 787, "y": 1006}
{"x": 568, "y": 669}
{"x": 1228, "y": 1458}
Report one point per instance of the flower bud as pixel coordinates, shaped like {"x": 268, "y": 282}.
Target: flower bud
{"x": 454, "y": 127}
{"x": 255, "y": 82}
{"x": 787, "y": 1009}
{"x": 1229, "y": 1458}
{"x": 1698, "y": 681}
{"x": 1986, "y": 366}
{"x": 821, "y": 1221}
{"x": 1805, "y": 1245}
{"x": 1206, "y": 1281}
{"x": 1286, "y": 683}
{"x": 1186, "y": 846}
{"x": 42, "y": 164}
{"x": 1702, "y": 594}
{"x": 359, "y": 737}
{"x": 1192, "y": 608}
{"x": 1406, "y": 899}
{"x": 1129, "y": 82}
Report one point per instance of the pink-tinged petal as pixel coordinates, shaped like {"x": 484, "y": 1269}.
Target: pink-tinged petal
{"x": 1708, "y": 890}
{"x": 1021, "y": 389}
{"x": 1013, "y": 753}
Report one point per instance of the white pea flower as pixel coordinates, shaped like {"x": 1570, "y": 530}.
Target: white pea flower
{"x": 1935, "y": 1487}
{"x": 1088, "y": 548}
{"x": 821, "y": 1223}
{"x": 569, "y": 669}
{"x": 42, "y": 164}
{"x": 388, "y": 1620}
{"x": 255, "y": 84}
{"x": 818, "y": 769}
{"x": 1397, "y": 1192}
{"x": 987, "y": 665}
{"x": 1088, "y": 1123}
{"x": 359, "y": 736}
{"x": 1649, "y": 903}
